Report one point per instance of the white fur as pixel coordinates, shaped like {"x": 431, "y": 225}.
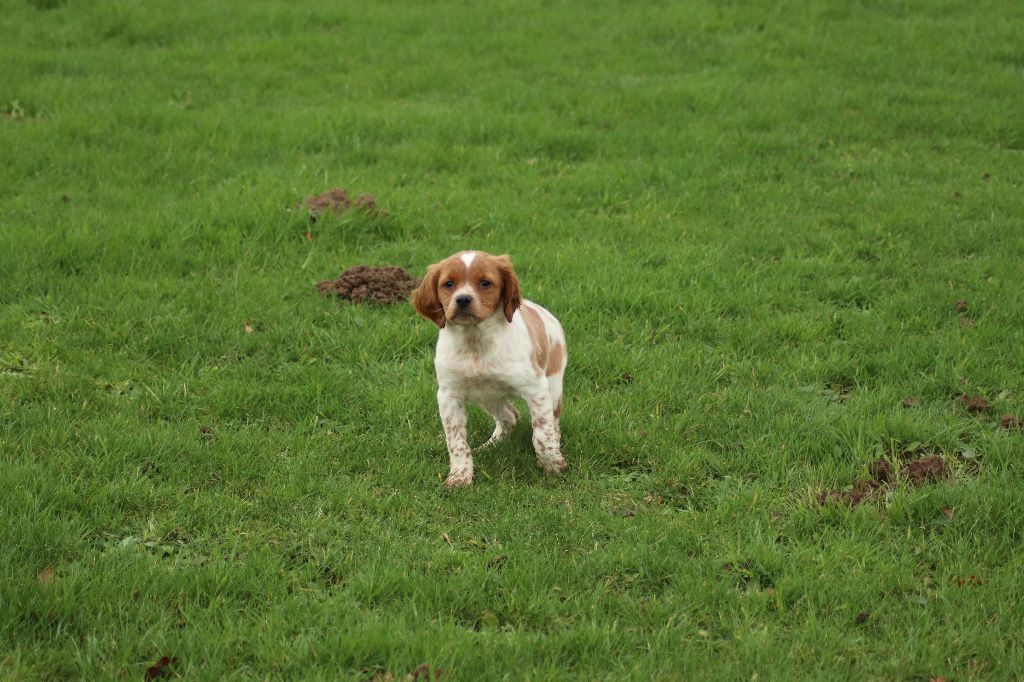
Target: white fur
{"x": 489, "y": 363}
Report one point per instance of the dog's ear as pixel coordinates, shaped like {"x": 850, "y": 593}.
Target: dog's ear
{"x": 425, "y": 300}
{"x": 511, "y": 299}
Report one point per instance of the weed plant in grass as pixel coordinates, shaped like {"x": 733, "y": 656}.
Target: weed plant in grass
{"x": 754, "y": 220}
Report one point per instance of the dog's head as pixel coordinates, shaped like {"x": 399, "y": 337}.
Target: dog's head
{"x": 467, "y": 288}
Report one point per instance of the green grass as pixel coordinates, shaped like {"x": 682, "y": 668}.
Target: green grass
{"x": 753, "y": 220}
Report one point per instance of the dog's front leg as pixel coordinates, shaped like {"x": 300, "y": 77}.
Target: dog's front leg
{"x": 546, "y": 433}
{"x": 453, "y": 417}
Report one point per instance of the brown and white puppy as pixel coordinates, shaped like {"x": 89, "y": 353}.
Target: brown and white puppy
{"x": 492, "y": 346}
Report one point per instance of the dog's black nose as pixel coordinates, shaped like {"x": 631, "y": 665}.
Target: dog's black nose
{"x": 463, "y": 301}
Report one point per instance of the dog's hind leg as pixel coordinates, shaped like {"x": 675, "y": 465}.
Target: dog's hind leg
{"x": 505, "y": 417}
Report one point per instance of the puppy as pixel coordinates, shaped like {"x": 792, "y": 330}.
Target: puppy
{"x": 492, "y": 346}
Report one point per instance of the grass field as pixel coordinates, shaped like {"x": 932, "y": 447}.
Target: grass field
{"x": 754, "y": 220}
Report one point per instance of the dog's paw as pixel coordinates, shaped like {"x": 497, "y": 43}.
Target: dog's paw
{"x": 494, "y": 440}
{"x": 553, "y": 466}
{"x": 459, "y": 479}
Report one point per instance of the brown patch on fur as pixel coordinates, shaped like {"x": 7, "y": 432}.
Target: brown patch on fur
{"x": 555, "y": 359}
{"x": 538, "y": 338}
{"x": 558, "y": 409}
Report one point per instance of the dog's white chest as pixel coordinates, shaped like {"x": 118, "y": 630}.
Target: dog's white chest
{"x": 478, "y": 377}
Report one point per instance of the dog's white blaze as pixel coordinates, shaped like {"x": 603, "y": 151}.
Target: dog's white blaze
{"x": 468, "y": 257}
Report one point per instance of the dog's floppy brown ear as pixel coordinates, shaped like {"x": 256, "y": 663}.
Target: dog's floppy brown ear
{"x": 425, "y": 300}
{"x": 511, "y": 299}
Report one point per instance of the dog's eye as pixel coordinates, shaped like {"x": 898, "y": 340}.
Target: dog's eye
{"x": 484, "y": 283}
{"x": 449, "y": 284}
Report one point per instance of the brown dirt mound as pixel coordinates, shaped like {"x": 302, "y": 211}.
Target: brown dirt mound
{"x": 1011, "y": 421}
{"x": 338, "y": 201}
{"x": 366, "y": 283}
{"x": 851, "y": 498}
{"x": 916, "y": 472}
{"x": 881, "y": 470}
{"x": 976, "y": 405}
{"x": 924, "y": 469}
{"x": 881, "y": 473}
{"x": 368, "y": 203}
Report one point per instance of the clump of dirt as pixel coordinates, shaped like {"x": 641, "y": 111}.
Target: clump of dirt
{"x": 924, "y": 469}
{"x": 366, "y": 283}
{"x": 862, "y": 492}
{"x": 975, "y": 405}
{"x": 851, "y": 498}
{"x": 916, "y": 470}
{"x": 911, "y": 401}
{"x": 961, "y": 306}
{"x": 1011, "y": 422}
{"x": 162, "y": 668}
{"x": 881, "y": 470}
{"x": 970, "y": 580}
{"x": 46, "y": 575}
{"x": 368, "y": 203}
{"x": 338, "y": 201}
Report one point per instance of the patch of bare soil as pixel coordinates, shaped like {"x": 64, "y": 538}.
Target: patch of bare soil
{"x": 162, "y": 668}
{"x": 924, "y": 470}
{"x": 1011, "y": 422}
{"x": 366, "y": 283}
{"x": 881, "y": 470}
{"x": 851, "y": 498}
{"x": 338, "y": 201}
{"x": 917, "y": 469}
{"x": 368, "y": 203}
{"x": 976, "y": 404}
